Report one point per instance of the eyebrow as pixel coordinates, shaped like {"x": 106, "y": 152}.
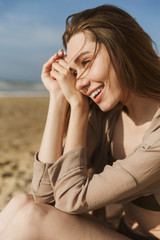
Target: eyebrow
{"x": 80, "y": 55}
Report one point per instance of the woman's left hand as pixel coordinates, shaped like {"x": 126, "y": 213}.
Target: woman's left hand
{"x": 66, "y": 80}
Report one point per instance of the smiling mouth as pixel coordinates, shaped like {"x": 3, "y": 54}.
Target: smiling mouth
{"x": 94, "y": 94}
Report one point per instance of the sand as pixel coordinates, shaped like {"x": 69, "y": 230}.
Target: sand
{"x": 22, "y": 122}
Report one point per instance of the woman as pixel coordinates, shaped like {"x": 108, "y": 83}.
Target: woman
{"x": 110, "y": 80}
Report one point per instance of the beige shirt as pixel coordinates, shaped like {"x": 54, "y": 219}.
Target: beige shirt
{"x": 66, "y": 182}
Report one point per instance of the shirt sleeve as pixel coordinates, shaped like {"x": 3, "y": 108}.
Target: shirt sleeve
{"x": 41, "y": 186}
{"x": 76, "y": 193}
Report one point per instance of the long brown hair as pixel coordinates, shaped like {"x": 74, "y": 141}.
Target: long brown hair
{"x": 130, "y": 48}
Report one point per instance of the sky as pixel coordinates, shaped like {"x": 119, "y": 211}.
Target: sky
{"x": 31, "y": 30}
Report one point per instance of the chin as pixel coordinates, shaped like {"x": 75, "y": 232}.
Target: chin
{"x": 106, "y": 107}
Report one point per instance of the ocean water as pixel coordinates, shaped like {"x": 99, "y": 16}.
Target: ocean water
{"x": 11, "y": 88}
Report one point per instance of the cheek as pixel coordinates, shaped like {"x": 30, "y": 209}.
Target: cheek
{"x": 113, "y": 80}
{"x": 103, "y": 71}
{"x": 116, "y": 92}
{"x": 99, "y": 73}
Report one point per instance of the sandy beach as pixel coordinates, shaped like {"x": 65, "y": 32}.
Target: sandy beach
{"x": 22, "y": 121}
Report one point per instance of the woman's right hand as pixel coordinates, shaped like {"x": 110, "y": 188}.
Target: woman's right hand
{"x": 49, "y": 82}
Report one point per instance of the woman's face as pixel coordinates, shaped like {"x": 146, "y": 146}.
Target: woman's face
{"x": 98, "y": 81}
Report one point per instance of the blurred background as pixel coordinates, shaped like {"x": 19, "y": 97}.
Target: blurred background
{"x": 30, "y": 32}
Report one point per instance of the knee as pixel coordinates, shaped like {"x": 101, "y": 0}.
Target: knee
{"x": 30, "y": 212}
{"x": 37, "y": 219}
{"x": 21, "y": 200}
{"x": 37, "y": 215}
{"x": 29, "y": 219}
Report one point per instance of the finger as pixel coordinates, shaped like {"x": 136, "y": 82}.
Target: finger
{"x": 57, "y": 66}
{"x": 60, "y": 73}
{"x": 47, "y": 66}
{"x": 61, "y": 53}
{"x": 63, "y": 62}
{"x": 60, "y": 65}
{"x": 54, "y": 74}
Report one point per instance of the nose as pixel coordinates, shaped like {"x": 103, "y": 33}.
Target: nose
{"x": 82, "y": 84}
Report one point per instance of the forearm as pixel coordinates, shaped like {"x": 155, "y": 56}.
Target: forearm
{"x": 77, "y": 129}
{"x": 51, "y": 145}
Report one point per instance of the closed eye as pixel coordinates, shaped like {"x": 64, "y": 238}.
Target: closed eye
{"x": 75, "y": 74}
{"x": 84, "y": 63}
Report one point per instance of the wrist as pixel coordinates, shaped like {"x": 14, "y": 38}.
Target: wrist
{"x": 58, "y": 101}
{"x": 80, "y": 106}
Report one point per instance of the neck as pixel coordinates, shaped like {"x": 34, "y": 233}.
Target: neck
{"x": 140, "y": 109}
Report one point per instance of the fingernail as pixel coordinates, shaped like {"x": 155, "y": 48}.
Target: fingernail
{"x": 60, "y": 52}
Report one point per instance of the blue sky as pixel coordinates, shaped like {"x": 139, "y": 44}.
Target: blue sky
{"x": 31, "y": 30}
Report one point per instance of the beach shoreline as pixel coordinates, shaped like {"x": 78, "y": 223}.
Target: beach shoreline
{"x": 21, "y": 94}
{"x": 21, "y": 127}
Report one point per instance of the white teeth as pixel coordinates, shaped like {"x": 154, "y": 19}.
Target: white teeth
{"x": 97, "y": 91}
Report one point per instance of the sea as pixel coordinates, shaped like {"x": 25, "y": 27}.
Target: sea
{"x": 13, "y": 88}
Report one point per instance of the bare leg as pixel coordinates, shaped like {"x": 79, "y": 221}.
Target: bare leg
{"x": 12, "y": 208}
{"x": 39, "y": 222}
